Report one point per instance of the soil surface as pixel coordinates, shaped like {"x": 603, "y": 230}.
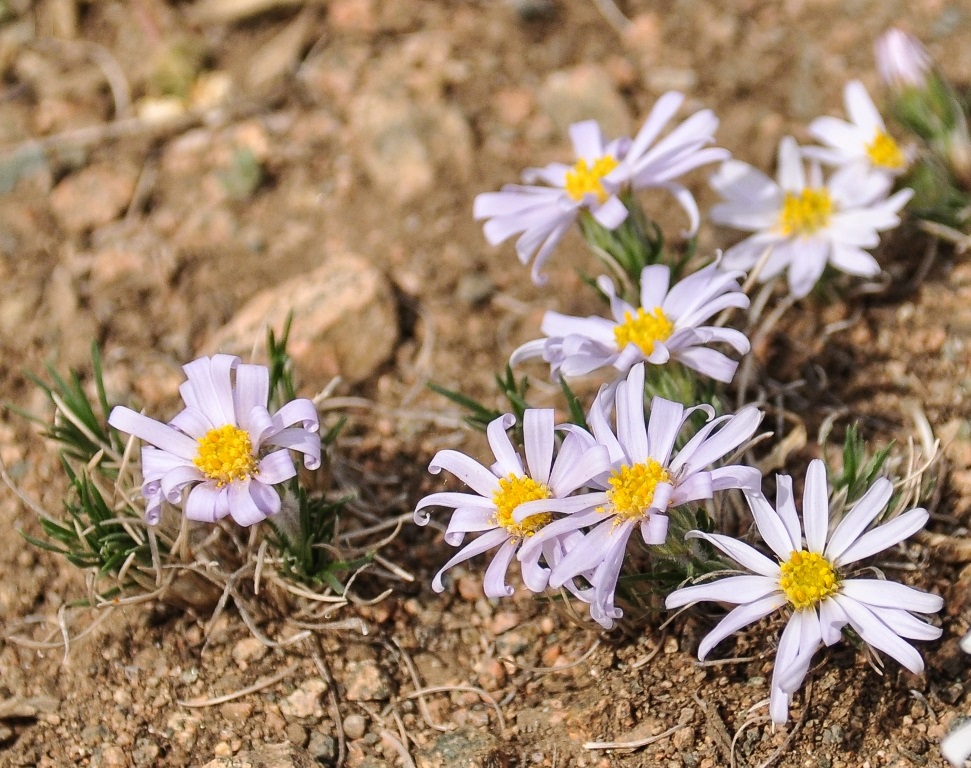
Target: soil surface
{"x": 303, "y": 130}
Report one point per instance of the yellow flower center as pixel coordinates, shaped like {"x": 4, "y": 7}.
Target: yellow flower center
{"x": 884, "y": 152}
{"x": 805, "y": 213}
{"x": 643, "y": 330}
{"x": 226, "y": 455}
{"x": 513, "y": 491}
{"x": 632, "y": 489}
{"x": 585, "y": 180}
{"x": 807, "y": 578}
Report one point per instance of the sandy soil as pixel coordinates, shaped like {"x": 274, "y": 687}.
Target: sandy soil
{"x": 374, "y": 124}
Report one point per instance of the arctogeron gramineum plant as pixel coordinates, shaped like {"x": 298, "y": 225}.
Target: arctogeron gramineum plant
{"x": 628, "y": 486}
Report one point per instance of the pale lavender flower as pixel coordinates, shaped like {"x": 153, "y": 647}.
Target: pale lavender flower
{"x": 552, "y": 198}
{"x": 220, "y": 445}
{"x": 956, "y": 746}
{"x": 803, "y": 221}
{"x": 666, "y": 326}
{"x": 642, "y": 482}
{"x": 504, "y": 488}
{"x": 902, "y": 60}
{"x": 810, "y": 581}
{"x": 863, "y": 141}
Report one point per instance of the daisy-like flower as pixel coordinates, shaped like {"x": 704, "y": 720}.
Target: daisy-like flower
{"x": 956, "y": 746}
{"x": 810, "y": 581}
{"x": 220, "y": 445}
{"x": 552, "y": 198}
{"x": 861, "y": 141}
{"x": 642, "y": 482}
{"x": 666, "y": 326}
{"x": 902, "y": 60}
{"x": 506, "y": 487}
{"x": 803, "y": 221}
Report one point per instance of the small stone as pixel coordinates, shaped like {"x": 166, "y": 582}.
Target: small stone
{"x": 406, "y": 146}
{"x": 514, "y": 105}
{"x": 297, "y": 734}
{"x": 475, "y": 288}
{"x": 511, "y": 643}
{"x": 533, "y": 10}
{"x": 355, "y": 726}
{"x": 146, "y": 753}
{"x": 684, "y": 739}
{"x": 469, "y": 588}
{"x": 109, "y": 757}
{"x": 584, "y": 92}
{"x": 662, "y": 79}
{"x": 465, "y": 747}
{"x": 92, "y": 197}
{"x": 322, "y": 748}
{"x": 504, "y": 621}
{"x": 222, "y": 749}
{"x": 268, "y": 756}
{"x": 366, "y": 681}
{"x": 351, "y": 16}
{"x": 332, "y": 307}
{"x": 305, "y": 701}
{"x": 247, "y": 650}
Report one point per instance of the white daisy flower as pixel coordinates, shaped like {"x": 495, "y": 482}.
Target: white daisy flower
{"x": 218, "y": 444}
{"x": 504, "y": 488}
{"x": 810, "y": 580}
{"x": 666, "y": 326}
{"x": 805, "y": 222}
{"x": 902, "y": 60}
{"x": 641, "y": 482}
{"x": 863, "y": 140}
{"x": 956, "y": 746}
{"x": 552, "y": 198}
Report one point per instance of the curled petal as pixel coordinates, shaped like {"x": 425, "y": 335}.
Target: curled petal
{"x": 276, "y": 467}
{"x": 206, "y": 503}
{"x": 494, "y": 582}
{"x": 483, "y": 543}
{"x": 297, "y": 439}
{"x": 469, "y": 471}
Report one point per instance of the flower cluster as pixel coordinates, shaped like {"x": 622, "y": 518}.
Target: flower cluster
{"x": 648, "y": 458}
{"x": 576, "y": 513}
{"x": 568, "y": 512}
{"x": 803, "y": 221}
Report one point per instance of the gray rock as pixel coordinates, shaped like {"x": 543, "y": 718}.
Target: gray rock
{"x": 268, "y": 756}
{"x": 323, "y": 748}
{"x": 366, "y": 681}
{"x": 466, "y": 748}
{"x": 582, "y": 93}
{"x": 404, "y": 145}
{"x": 335, "y": 307}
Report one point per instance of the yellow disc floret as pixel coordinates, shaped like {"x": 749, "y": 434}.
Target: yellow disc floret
{"x": 226, "y": 455}
{"x": 806, "y": 213}
{"x": 585, "y": 179}
{"x": 644, "y": 330}
{"x": 632, "y": 488}
{"x": 513, "y": 491}
{"x": 807, "y": 578}
{"x": 884, "y": 152}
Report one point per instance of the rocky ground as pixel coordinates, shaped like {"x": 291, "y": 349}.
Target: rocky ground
{"x": 172, "y": 171}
